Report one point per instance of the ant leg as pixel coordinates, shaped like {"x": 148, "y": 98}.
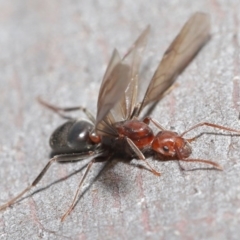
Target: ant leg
{"x": 215, "y": 165}
{"x": 99, "y": 159}
{"x": 154, "y": 121}
{"x": 77, "y": 192}
{"x": 180, "y": 158}
{"x": 140, "y": 155}
{"x": 58, "y": 158}
{"x": 191, "y": 139}
{"x": 210, "y": 125}
{"x": 60, "y": 110}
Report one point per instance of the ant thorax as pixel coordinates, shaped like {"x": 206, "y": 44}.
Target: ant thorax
{"x": 139, "y": 132}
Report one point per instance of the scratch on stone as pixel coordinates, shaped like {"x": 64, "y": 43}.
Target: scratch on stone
{"x": 145, "y": 214}
{"x": 16, "y": 83}
{"x": 218, "y": 8}
{"x": 236, "y": 79}
{"x": 172, "y": 108}
{"x": 35, "y": 217}
{"x": 95, "y": 199}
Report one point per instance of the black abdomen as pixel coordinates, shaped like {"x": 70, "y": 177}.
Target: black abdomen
{"x": 72, "y": 137}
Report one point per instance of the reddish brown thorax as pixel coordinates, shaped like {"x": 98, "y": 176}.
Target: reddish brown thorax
{"x": 139, "y": 132}
{"x": 170, "y": 144}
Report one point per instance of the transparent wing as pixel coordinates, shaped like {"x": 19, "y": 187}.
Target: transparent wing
{"x": 114, "y": 60}
{"x": 123, "y": 108}
{"x": 133, "y": 59}
{"x": 113, "y": 86}
{"x": 188, "y": 42}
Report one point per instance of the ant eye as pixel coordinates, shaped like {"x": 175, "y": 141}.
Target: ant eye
{"x": 165, "y": 149}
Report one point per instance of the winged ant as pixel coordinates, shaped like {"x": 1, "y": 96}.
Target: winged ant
{"x": 117, "y": 128}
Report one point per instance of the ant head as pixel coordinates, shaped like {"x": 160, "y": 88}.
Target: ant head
{"x": 170, "y": 144}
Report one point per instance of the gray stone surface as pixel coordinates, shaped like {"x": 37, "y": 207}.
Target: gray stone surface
{"x": 59, "y": 50}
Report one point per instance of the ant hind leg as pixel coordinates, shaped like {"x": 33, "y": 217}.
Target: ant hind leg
{"x": 60, "y": 110}
{"x": 58, "y": 158}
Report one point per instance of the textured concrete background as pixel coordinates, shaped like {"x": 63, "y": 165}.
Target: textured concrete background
{"x": 59, "y": 50}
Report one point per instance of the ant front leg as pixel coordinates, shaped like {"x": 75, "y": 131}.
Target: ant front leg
{"x": 154, "y": 121}
{"x": 58, "y": 158}
{"x": 214, "y": 164}
{"x": 210, "y": 125}
{"x": 180, "y": 158}
{"x": 140, "y": 155}
{"x": 60, "y": 111}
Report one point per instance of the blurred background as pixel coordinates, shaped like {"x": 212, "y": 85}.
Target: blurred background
{"x": 59, "y": 50}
